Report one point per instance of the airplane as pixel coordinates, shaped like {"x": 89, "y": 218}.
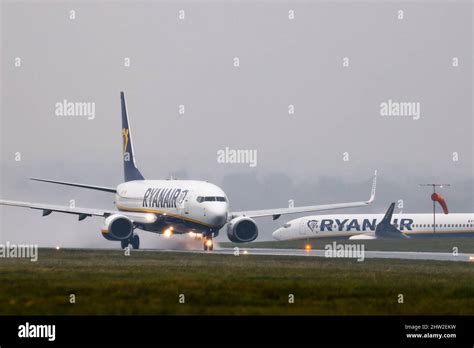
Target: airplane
{"x": 377, "y": 226}
{"x": 169, "y": 207}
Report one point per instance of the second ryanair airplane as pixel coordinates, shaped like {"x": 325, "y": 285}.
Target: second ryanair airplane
{"x": 170, "y": 206}
{"x": 377, "y": 226}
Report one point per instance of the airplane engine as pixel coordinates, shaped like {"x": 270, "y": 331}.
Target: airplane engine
{"x": 117, "y": 227}
{"x": 242, "y": 230}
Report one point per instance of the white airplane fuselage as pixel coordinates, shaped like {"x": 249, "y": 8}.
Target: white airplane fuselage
{"x": 186, "y": 205}
{"x": 363, "y": 225}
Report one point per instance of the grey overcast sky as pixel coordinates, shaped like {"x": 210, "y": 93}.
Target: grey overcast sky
{"x": 190, "y": 62}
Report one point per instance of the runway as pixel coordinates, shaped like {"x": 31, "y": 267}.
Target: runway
{"x": 402, "y": 255}
{"x": 405, "y": 255}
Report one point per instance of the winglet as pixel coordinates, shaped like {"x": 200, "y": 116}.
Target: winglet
{"x": 374, "y": 186}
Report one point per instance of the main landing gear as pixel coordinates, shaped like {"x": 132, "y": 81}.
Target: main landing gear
{"x": 135, "y": 241}
{"x": 208, "y": 243}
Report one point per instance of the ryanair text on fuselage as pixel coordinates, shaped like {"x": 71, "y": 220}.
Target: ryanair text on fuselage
{"x": 164, "y": 197}
{"x": 354, "y": 225}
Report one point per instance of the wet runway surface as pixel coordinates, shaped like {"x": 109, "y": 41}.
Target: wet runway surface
{"x": 407, "y": 255}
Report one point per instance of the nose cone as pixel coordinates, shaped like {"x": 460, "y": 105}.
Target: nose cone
{"x": 277, "y": 234}
{"x": 217, "y": 214}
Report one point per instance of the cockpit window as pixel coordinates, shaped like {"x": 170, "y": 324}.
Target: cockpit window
{"x": 201, "y": 199}
{"x": 287, "y": 225}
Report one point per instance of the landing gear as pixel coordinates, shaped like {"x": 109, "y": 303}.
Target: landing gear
{"x": 135, "y": 241}
{"x": 208, "y": 243}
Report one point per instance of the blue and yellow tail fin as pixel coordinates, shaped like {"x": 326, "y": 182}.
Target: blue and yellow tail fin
{"x": 130, "y": 169}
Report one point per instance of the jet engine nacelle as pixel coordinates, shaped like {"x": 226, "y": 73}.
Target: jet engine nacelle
{"x": 117, "y": 227}
{"x": 242, "y": 230}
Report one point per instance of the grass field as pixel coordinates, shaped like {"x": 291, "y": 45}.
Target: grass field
{"x": 107, "y": 282}
{"x": 463, "y": 245}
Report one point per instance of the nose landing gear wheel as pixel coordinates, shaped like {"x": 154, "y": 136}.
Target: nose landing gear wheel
{"x": 208, "y": 244}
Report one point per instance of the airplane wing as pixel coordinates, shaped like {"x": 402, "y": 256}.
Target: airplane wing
{"x": 67, "y": 183}
{"x": 81, "y": 212}
{"x": 276, "y": 213}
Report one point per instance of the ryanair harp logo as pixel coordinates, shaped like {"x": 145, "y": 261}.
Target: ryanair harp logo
{"x": 125, "y": 139}
{"x": 312, "y": 225}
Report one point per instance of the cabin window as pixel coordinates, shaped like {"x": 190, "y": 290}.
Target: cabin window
{"x": 211, "y": 199}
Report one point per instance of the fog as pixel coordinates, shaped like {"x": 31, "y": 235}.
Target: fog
{"x": 324, "y": 152}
